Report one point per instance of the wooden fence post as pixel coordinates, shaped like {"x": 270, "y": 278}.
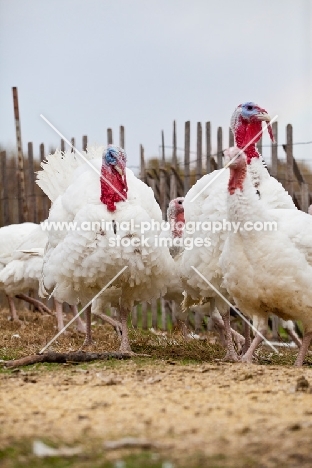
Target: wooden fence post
{"x": 4, "y": 191}
{"x": 22, "y": 205}
{"x": 187, "y": 148}
{"x": 109, "y": 136}
{"x": 144, "y": 315}
{"x": 135, "y": 317}
{"x": 274, "y": 146}
{"x": 208, "y": 147}
{"x": 154, "y": 314}
{"x": 231, "y": 138}
{"x": 84, "y": 143}
{"x": 31, "y": 172}
{"x": 162, "y": 178}
{"x": 163, "y": 314}
{"x": 73, "y": 144}
{"x": 122, "y": 136}
{"x": 143, "y": 168}
{"x": 44, "y": 198}
{"x": 289, "y": 160}
{"x": 219, "y": 147}
{"x": 305, "y": 197}
{"x": 174, "y": 164}
{"x": 199, "y": 151}
{"x": 259, "y": 146}
{"x": 62, "y": 145}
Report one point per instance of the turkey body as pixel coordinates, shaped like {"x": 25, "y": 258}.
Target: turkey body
{"x": 23, "y": 272}
{"x": 206, "y": 205}
{"x": 10, "y": 238}
{"x": 80, "y": 262}
{"x": 268, "y": 272}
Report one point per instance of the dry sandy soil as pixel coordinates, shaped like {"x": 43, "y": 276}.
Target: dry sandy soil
{"x": 192, "y": 409}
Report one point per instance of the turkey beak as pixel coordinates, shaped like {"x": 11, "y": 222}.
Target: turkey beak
{"x": 119, "y": 170}
{"x": 263, "y": 116}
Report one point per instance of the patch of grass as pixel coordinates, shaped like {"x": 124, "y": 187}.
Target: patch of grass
{"x": 18, "y": 340}
{"x": 20, "y": 455}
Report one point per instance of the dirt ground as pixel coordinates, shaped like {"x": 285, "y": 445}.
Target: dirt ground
{"x": 191, "y": 409}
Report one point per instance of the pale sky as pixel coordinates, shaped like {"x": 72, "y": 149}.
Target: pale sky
{"x": 92, "y": 64}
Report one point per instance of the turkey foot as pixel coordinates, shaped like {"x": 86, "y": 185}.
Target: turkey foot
{"x": 247, "y": 339}
{"x": 231, "y": 355}
{"x": 114, "y": 323}
{"x": 81, "y": 327}
{"x": 248, "y": 356}
{"x": 88, "y": 339}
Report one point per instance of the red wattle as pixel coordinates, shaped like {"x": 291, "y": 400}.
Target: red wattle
{"x": 244, "y": 133}
{"x": 237, "y": 177}
{"x": 113, "y": 188}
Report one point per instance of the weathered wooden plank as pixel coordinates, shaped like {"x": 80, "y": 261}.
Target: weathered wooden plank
{"x": 109, "y": 136}
{"x": 219, "y": 148}
{"x": 22, "y": 205}
{"x": 135, "y": 317}
{"x": 174, "y": 164}
{"x": 45, "y": 202}
{"x": 5, "y": 207}
{"x": 151, "y": 182}
{"x": 154, "y": 314}
{"x": 289, "y": 161}
{"x": 163, "y": 178}
{"x": 199, "y": 153}
{"x": 122, "y": 136}
{"x": 31, "y": 176}
{"x": 305, "y": 197}
{"x": 274, "y": 147}
{"x": 73, "y": 144}
{"x": 208, "y": 147}
{"x": 179, "y": 185}
{"x": 231, "y": 138}
{"x": 259, "y": 146}
{"x": 163, "y": 314}
{"x": 187, "y": 148}
{"x": 84, "y": 143}
{"x": 142, "y": 165}
{"x": 144, "y": 315}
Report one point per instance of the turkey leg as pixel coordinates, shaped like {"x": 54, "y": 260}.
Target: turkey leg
{"x": 12, "y": 308}
{"x": 125, "y": 345}
{"x": 303, "y": 349}
{"x": 231, "y": 354}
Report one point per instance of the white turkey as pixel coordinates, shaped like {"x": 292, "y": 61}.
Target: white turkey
{"x": 23, "y": 272}
{"x": 80, "y": 262}
{"x": 267, "y": 271}
{"x": 206, "y": 202}
{"x": 10, "y": 237}
{"x": 175, "y": 216}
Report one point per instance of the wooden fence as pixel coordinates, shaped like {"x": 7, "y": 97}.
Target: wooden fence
{"x": 168, "y": 179}
{"x": 173, "y": 178}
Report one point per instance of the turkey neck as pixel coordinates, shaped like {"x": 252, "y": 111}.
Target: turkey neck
{"x": 177, "y": 231}
{"x": 113, "y": 187}
{"x": 244, "y": 133}
{"x": 243, "y": 203}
